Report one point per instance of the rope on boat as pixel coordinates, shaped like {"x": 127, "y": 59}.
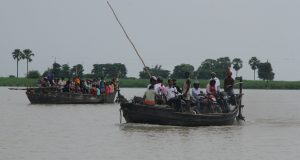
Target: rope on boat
{"x": 136, "y": 51}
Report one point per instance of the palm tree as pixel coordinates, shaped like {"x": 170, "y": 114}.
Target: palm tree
{"x": 237, "y": 65}
{"x": 254, "y": 62}
{"x": 18, "y": 55}
{"x": 27, "y": 55}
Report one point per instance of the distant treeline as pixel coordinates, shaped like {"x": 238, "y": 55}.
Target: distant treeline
{"x": 142, "y": 83}
{"x": 110, "y": 70}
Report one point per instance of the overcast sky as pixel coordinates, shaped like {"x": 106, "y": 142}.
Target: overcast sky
{"x": 166, "y": 32}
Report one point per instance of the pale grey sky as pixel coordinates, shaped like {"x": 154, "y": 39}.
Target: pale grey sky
{"x": 166, "y": 32}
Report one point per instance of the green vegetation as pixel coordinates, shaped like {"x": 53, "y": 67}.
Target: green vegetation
{"x": 33, "y": 74}
{"x": 157, "y": 71}
{"x": 142, "y": 83}
{"x": 20, "y": 82}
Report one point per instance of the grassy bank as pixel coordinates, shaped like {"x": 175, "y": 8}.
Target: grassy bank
{"x": 20, "y": 82}
{"x": 142, "y": 83}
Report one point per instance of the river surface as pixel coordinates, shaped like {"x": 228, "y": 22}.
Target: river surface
{"x": 93, "y": 132}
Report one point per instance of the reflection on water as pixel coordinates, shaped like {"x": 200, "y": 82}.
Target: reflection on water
{"x": 132, "y": 128}
{"x": 93, "y": 131}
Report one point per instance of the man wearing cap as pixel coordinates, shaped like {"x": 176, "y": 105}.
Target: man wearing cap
{"x": 149, "y": 96}
{"x": 153, "y": 80}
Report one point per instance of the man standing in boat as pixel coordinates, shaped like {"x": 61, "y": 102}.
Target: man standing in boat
{"x": 217, "y": 85}
{"x": 186, "y": 95}
{"x": 228, "y": 83}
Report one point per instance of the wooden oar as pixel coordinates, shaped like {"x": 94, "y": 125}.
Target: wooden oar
{"x": 136, "y": 51}
{"x": 17, "y": 88}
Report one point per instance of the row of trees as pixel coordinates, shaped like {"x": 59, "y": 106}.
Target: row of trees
{"x": 265, "y": 70}
{"x": 219, "y": 66}
{"x": 20, "y": 55}
{"x": 99, "y": 70}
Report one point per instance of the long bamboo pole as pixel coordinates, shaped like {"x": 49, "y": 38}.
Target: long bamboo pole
{"x": 136, "y": 51}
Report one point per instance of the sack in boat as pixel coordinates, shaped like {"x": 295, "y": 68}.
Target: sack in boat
{"x": 137, "y": 100}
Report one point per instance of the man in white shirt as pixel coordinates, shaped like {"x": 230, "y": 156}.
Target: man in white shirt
{"x": 171, "y": 95}
{"x": 196, "y": 91}
{"x": 61, "y": 83}
{"x": 171, "y": 91}
{"x": 217, "y": 85}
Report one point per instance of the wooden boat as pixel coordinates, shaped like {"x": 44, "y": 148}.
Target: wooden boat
{"x": 137, "y": 112}
{"x": 51, "y": 95}
{"x": 166, "y": 115}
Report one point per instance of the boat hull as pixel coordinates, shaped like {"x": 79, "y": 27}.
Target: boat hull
{"x": 54, "y": 97}
{"x": 164, "y": 115}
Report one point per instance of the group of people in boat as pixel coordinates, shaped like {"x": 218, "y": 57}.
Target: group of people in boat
{"x": 191, "y": 96}
{"x": 96, "y": 87}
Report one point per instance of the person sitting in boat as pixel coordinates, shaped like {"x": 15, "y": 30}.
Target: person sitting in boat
{"x": 186, "y": 95}
{"x": 94, "y": 89}
{"x": 149, "y": 96}
{"x": 112, "y": 87}
{"x": 102, "y": 85}
{"x": 197, "y": 95}
{"x": 171, "y": 95}
{"x": 61, "y": 83}
{"x": 160, "y": 91}
{"x": 217, "y": 81}
{"x": 109, "y": 88}
{"x": 211, "y": 90}
{"x": 212, "y": 96}
{"x": 98, "y": 90}
{"x": 196, "y": 92}
{"x": 67, "y": 86}
{"x": 76, "y": 81}
{"x": 115, "y": 82}
{"x": 44, "y": 82}
{"x": 176, "y": 86}
{"x": 72, "y": 86}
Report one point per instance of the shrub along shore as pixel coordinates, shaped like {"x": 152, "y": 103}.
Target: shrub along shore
{"x": 142, "y": 83}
